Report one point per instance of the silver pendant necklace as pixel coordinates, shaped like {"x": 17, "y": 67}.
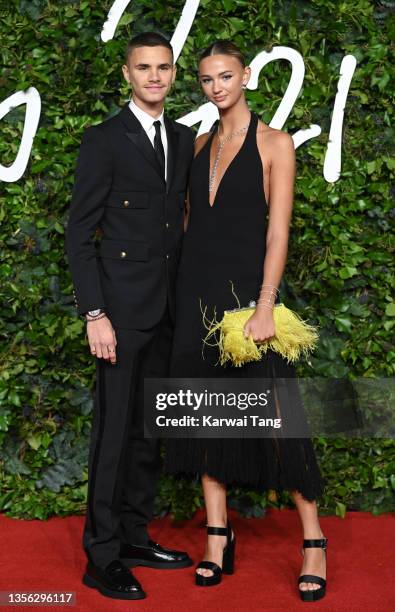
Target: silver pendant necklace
{"x": 222, "y": 143}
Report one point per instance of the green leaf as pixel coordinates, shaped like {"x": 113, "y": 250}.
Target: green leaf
{"x": 34, "y": 440}
{"x": 347, "y": 272}
{"x": 371, "y": 167}
{"x": 125, "y": 19}
{"x": 343, "y": 323}
{"x": 390, "y": 309}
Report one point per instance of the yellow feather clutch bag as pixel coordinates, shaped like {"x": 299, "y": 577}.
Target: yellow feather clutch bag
{"x": 293, "y": 336}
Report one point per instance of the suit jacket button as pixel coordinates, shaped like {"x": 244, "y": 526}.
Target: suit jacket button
{"x": 167, "y": 256}
{"x": 126, "y": 203}
{"x": 122, "y": 254}
{"x": 167, "y": 225}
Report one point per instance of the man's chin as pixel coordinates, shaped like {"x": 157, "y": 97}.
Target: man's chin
{"x": 154, "y": 98}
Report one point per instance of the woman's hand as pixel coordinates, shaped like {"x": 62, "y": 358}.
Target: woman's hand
{"x": 260, "y": 325}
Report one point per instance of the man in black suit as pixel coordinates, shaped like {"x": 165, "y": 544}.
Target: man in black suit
{"x": 130, "y": 183}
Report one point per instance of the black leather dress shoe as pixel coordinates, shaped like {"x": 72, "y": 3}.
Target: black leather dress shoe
{"x": 115, "y": 581}
{"x": 153, "y": 555}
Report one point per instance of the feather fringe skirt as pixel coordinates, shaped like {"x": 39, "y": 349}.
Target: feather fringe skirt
{"x": 275, "y": 463}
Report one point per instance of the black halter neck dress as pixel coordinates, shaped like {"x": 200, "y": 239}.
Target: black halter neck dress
{"x": 226, "y": 242}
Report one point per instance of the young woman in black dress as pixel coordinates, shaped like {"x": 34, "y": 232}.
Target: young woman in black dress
{"x": 239, "y": 210}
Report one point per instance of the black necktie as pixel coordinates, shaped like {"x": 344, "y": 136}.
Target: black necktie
{"x": 158, "y": 146}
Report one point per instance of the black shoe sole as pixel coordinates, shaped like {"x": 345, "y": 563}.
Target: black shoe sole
{"x": 157, "y": 564}
{"x": 315, "y": 595}
{"x": 94, "y": 584}
{"x": 207, "y": 581}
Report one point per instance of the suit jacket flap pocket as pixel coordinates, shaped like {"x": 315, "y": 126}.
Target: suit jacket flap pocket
{"x": 124, "y": 250}
{"x": 128, "y": 200}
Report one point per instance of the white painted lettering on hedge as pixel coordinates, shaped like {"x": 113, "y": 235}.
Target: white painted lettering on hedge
{"x": 332, "y": 162}
{"x": 32, "y": 99}
{"x": 113, "y": 17}
{"x": 207, "y": 113}
{"x": 294, "y": 85}
{"x": 183, "y": 26}
{"x": 180, "y": 34}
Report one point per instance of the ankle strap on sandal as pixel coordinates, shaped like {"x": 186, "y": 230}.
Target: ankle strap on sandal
{"x": 322, "y": 543}
{"x": 219, "y": 530}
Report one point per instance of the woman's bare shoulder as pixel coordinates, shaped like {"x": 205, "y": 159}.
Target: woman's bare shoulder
{"x": 201, "y": 141}
{"x": 276, "y": 142}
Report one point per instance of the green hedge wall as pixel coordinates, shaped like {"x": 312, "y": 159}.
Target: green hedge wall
{"x": 340, "y": 254}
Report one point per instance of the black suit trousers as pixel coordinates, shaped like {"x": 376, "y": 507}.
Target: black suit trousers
{"x": 123, "y": 465}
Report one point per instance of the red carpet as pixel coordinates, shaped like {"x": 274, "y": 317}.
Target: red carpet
{"x": 47, "y": 556}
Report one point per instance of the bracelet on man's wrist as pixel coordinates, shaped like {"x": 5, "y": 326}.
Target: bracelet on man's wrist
{"x": 96, "y": 318}
{"x": 94, "y": 315}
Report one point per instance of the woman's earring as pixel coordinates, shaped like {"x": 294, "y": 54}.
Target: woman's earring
{"x": 244, "y": 86}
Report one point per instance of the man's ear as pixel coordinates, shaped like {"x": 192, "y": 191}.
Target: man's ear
{"x": 174, "y": 73}
{"x": 125, "y": 71}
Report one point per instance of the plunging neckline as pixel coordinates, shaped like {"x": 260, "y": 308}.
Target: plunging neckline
{"x": 210, "y": 141}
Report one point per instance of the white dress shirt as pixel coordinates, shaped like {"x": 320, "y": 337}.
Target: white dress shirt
{"x": 147, "y": 121}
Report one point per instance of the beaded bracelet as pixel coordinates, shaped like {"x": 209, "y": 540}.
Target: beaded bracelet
{"x": 100, "y": 316}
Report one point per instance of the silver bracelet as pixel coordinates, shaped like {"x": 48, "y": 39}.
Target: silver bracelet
{"x": 265, "y": 305}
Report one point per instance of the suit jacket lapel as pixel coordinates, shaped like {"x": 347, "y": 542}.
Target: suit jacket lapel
{"x": 172, "y": 150}
{"x": 137, "y": 135}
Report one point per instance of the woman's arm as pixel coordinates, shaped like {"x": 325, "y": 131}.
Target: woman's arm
{"x": 282, "y": 179}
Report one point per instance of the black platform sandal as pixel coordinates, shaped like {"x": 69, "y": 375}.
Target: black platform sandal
{"x": 316, "y": 594}
{"x": 227, "y": 559}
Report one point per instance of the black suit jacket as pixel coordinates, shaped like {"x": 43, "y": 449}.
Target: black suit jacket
{"x": 119, "y": 189}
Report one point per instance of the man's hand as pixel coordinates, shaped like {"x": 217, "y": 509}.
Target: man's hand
{"x": 101, "y": 338}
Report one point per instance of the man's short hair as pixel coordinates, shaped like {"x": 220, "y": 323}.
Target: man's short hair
{"x": 148, "y": 39}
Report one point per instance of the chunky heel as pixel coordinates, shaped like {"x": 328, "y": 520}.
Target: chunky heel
{"x": 228, "y": 562}
{"x": 317, "y": 593}
{"x": 228, "y": 558}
